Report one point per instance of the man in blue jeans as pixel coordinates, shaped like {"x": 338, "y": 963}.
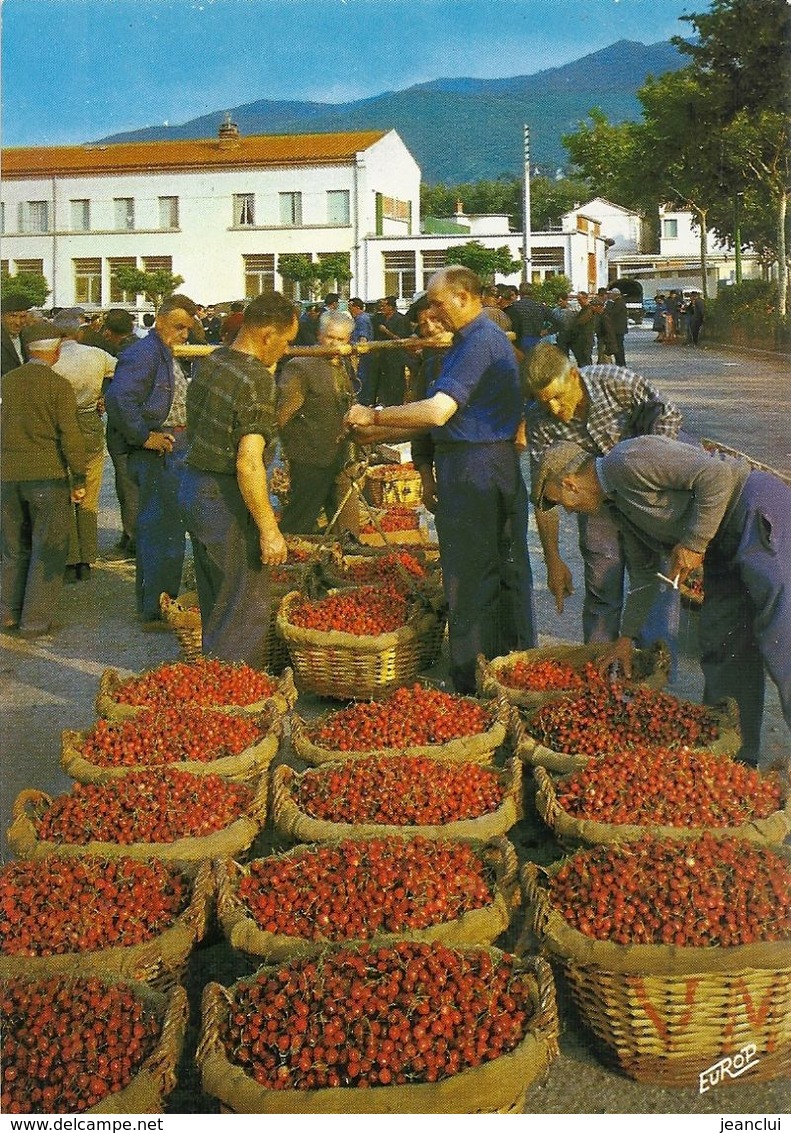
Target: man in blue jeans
{"x": 473, "y": 410}
{"x": 146, "y": 404}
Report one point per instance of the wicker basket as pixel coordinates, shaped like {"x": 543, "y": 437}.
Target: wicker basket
{"x": 282, "y": 700}
{"x": 651, "y": 668}
{"x": 479, "y": 748}
{"x": 301, "y": 827}
{"x": 231, "y": 841}
{"x": 248, "y": 764}
{"x": 159, "y": 962}
{"x": 668, "y": 1013}
{"x": 346, "y": 666}
{"x": 184, "y": 618}
{"x": 535, "y": 754}
{"x": 569, "y": 830}
{"x": 499, "y": 1086}
{"x": 156, "y": 1077}
{"x": 389, "y": 484}
{"x": 476, "y": 927}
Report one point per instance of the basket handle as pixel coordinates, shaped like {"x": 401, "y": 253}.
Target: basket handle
{"x": 509, "y": 881}
{"x": 30, "y": 796}
{"x": 215, "y": 1001}
{"x": 162, "y": 1065}
{"x": 552, "y": 807}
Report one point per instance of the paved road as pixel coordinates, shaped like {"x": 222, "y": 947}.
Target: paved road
{"x": 741, "y": 400}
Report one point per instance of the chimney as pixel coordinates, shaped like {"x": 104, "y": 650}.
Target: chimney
{"x": 229, "y": 134}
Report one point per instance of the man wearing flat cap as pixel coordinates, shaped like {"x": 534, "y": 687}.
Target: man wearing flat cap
{"x": 42, "y": 473}
{"x": 14, "y": 318}
{"x": 696, "y": 509}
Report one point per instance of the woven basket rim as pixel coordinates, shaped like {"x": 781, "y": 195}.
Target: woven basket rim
{"x": 336, "y": 639}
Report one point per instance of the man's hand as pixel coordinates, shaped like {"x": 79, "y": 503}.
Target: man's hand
{"x": 559, "y": 582}
{"x": 274, "y": 551}
{"x": 619, "y": 652}
{"x": 77, "y": 495}
{"x": 160, "y": 442}
{"x": 683, "y": 562}
{"x": 359, "y": 415}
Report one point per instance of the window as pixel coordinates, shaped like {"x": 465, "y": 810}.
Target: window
{"x": 400, "y": 277}
{"x": 34, "y": 216}
{"x": 88, "y": 281}
{"x": 117, "y": 294}
{"x": 338, "y": 210}
{"x": 290, "y": 208}
{"x": 34, "y": 267}
{"x": 168, "y": 212}
{"x": 243, "y": 209}
{"x": 259, "y": 275}
{"x": 124, "y": 213}
{"x": 80, "y": 216}
{"x": 670, "y": 229}
{"x": 157, "y": 263}
{"x": 432, "y": 261}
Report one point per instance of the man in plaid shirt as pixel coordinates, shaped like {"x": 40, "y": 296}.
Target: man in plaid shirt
{"x": 596, "y": 407}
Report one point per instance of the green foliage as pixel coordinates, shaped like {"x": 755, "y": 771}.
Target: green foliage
{"x": 550, "y": 288}
{"x": 155, "y": 285}
{"x": 549, "y": 199}
{"x": 29, "y": 284}
{"x": 485, "y": 262}
{"x": 748, "y": 314}
{"x": 310, "y": 274}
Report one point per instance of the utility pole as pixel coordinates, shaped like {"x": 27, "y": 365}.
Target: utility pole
{"x": 737, "y": 235}
{"x": 527, "y": 243}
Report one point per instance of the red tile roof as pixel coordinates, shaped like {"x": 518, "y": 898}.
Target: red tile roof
{"x": 172, "y": 156}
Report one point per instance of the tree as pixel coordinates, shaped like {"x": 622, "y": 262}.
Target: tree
{"x": 485, "y": 262}
{"x": 155, "y": 285}
{"x": 30, "y": 285}
{"x": 312, "y": 275}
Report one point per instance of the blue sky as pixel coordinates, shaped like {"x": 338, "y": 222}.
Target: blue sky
{"x": 75, "y": 70}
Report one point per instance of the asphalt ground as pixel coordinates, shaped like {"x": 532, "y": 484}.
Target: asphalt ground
{"x": 741, "y": 399}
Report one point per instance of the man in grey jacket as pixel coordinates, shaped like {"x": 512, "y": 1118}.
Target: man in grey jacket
{"x": 699, "y": 509}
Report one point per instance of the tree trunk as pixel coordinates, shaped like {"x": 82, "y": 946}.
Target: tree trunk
{"x": 782, "y": 256}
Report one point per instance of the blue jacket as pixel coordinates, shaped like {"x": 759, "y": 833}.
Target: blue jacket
{"x": 140, "y": 395}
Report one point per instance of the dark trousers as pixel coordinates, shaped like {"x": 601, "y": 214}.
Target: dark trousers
{"x": 310, "y": 490}
{"x": 620, "y": 350}
{"x": 482, "y": 515}
{"x": 160, "y": 527}
{"x": 233, "y": 583}
{"x": 745, "y": 621}
{"x": 127, "y": 492}
{"x": 35, "y": 538}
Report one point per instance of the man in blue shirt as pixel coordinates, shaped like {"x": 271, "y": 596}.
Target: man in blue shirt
{"x": 363, "y": 332}
{"x": 473, "y": 409}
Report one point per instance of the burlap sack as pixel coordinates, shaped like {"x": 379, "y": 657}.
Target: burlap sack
{"x": 107, "y": 706}
{"x": 773, "y": 829}
{"x": 158, "y": 961}
{"x": 499, "y": 1086}
{"x": 651, "y": 668}
{"x": 476, "y": 927}
{"x": 229, "y": 842}
{"x": 248, "y": 764}
{"x": 478, "y": 748}
{"x": 300, "y": 827}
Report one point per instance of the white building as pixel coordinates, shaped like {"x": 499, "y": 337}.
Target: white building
{"x": 220, "y": 212}
{"x": 626, "y": 230}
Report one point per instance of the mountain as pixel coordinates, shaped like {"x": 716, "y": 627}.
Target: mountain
{"x": 484, "y": 117}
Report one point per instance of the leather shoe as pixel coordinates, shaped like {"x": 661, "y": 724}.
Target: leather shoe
{"x": 70, "y": 574}
{"x": 83, "y": 572}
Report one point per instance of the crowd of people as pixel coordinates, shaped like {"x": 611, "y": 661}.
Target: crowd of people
{"x": 505, "y": 404}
